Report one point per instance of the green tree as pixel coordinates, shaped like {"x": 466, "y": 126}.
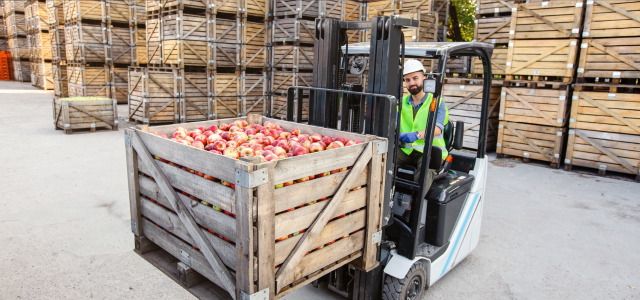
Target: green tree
{"x": 462, "y": 14}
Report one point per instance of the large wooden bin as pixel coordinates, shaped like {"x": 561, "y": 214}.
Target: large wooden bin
{"x": 173, "y": 230}
{"x": 73, "y": 116}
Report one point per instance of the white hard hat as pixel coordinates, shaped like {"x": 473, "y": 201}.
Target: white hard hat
{"x": 412, "y": 65}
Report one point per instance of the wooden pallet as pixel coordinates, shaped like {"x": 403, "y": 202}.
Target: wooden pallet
{"x": 181, "y": 40}
{"x": 463, "y": 98}
{"x": 493, "y": 30}
{"x": 604, "y": 151}
{"x": 60, "y": 79}
{"x": 82, "y": 116}
{"x": 153, "y": 94}
{"x": 292, "y": 57}
{"x": 88, "y": 81}
{"x": 552, "y": 57}
{"x": 546, "y": 106}
{"x": 613, "y": 58}
{"x": 21, "y": 70}
{"x": 528, "y": 141}
{"x": 547, "y": 20}
{"x": 105, "y": 11}
{"x": 494, "y": 8}
{"x": 224, "y": 263}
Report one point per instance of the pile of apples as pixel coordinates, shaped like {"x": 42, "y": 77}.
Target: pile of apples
{"x": 268, "y": 141}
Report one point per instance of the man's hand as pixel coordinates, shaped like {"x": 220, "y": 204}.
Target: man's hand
{"x": 437, "y": 131}
{"x": 409, "y": 137}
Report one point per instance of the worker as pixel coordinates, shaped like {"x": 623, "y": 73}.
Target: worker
{"x": 413, "y": 121}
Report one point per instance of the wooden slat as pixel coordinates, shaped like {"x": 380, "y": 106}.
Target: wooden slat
{"x": 528, "y": 141}
{"x": 606, "y": 151}
{"x": 266, "y": 254}
{"x": 244, "y": 235}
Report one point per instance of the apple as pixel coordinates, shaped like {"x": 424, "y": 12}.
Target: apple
{"x": 231, "y": 152}
{"x": 256, "y": 147}
{"x": 154, "y": 133}
{"x": 232, "y": 144}
{"x": 289, "y": 154}
{"x": 349, "y": 143}
{"x": 271, "y": 139}
{"x": 271, "y": 157}
{"x": 324, "y": 146}
{"x": 279, "y": 150}
{"x": 198, "y": 144}
{"x": 184, "y": 142}
{"x": 282, "y": 238}
{"x": 223, "y": 126}
{"x": 258, "y": 152}
{"x": 178, "y": 135}
{"x": 288, "y": 183}
{"x": 213, "y": 137}
{"x": 259, "y": 135}
{"x": 306, "y": 144}
{"x": 295, "y": 131}
{"x": 343, "y": 169}
{"x": 270, "y": 125}
{"x": 340, "y": 139}
{"x": 285, "y": 146}
{"x": 302, "y": 180}
{"x": 242, "y": 135}
{"x": 273, "y": 133}
{"x": 209, "y": 177}
{"x": 235, "y": 129}
{"x": 286, "y": 135}
{"x": 164, "y": 136}
{"x": 300, "y": 150}
{"x": 316, "y": 137}
{"x": 244, "y": 123}
{"x": 201, "y": 138}
{"x": 323, "y": 174}
{"x": 201, "y": 128}
{"x": 246, "y": 152}
{"x": 315, "y": 147}
{"x": 188, "y": 139}
{"x": 207, "y": 133}
{"x": 265, "y": 141}
{"x": 226, "y": 135}
{"x": 216, "y": 152}
{"x": 251, "y": 131}
{"x": 358, "y": 142}
{"x": 335, "y": 145}
{"x": 213, "y": 128}
{"x": 220, "y": 145}
{"x": 199, "y": 173}
{"x": 327, "y": 140}
{"x": 335, "y": 171}
{"x": 181, "y": 129}
{"x": 279, "y": 185}
{"x": 238, "y": 140}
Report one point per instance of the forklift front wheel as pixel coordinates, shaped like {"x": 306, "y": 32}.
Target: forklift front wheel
{"x": 411, "y": 287}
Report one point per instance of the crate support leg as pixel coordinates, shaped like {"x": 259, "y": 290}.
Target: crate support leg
{"x": 187, "y": 276}
{"x": 143, "y": 245}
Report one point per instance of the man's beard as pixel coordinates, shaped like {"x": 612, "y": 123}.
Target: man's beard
{"x": 414, "y": 90}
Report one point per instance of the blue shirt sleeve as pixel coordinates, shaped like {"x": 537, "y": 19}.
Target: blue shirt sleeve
{"x": 442, "y": 114}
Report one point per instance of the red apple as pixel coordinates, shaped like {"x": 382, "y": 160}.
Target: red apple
{"x": 302, "y": 180}
{"x": 213, "y": 128}
{"x": 235, "y": 129}
{"x": 213, "y": 137}
{"x": 288, "y": 183}
{"x": 227, "y": 135}
{"x": 201, "y": 128}
{"x": 209, "y": 177}
{"x": 164, "y": 136}
{"x": 267, "y": 152}
{"x": 340, "y": 139}
{"x": 279, "y": 150}
{"x": 315, "y": 147}
{"x": 207, "y": 133}
{"x": 295, "y": 131}
{"x": 231, "y": 152}
{"x": 184, "y": 142}
{"x": 299, "y": 150}
{"x": 335, "y": 145}
{"x": 216, "y": 152}
{"x": 199, "y": 173}
{"x": 327, "y": 140}
{"x": 178, "y": 135}
{"x": 220, "y": 145}
{"x": 223, "y": 126}
{"x": 181, "y": 129}
{"x": 316, "y": 137}
{"x": 232, "y": 144}
{"x": 256, "y": 147}
{"x": 270, "y": 125}
{"x": 323, "y": 174}
{"x": 242, "y": 135}
{"x": 324, "y": 146}
{"x": 349, "y": 143}
{"x": 306, "y": 144}
{"x": 258, "y": 152}
{"x": 198, "y": 144}
{"x": 251, "y": 131}
{"x": 188, "y": 139}
{"x": 273, "y": 133}
{"x": 358, "y": 142}
{"x": 246, "y": 152}
{"x": 200, "y": 138}
{"x": 286, "y": 135}
{"x": 271, "y": 157}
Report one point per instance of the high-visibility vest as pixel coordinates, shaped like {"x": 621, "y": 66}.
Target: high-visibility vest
{"x": 408, "y": 124}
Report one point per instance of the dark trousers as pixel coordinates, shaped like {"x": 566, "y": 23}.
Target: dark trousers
{"x": 415, "y": 159}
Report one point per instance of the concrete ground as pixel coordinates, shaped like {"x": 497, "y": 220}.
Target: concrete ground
{"x": 65, "y": 231}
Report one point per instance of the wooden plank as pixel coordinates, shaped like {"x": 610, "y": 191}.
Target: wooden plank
{"x": 310, "y": 235}
{"x": 266, "y": 253}
{"x": 551, "y": 121}
{"x": 228, "y": 283}
{"x": 526, "y": 140}
{"x": 309, "y": 191}
{"x": 244, "y": 235}
{"x": 134, "y": 188}
{"x": 606, "y": 151}
{"x": 204, "y": 215}
{"x": 610, "y": 112}
{"x": 375, "y": 197}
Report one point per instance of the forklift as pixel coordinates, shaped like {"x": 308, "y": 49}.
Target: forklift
{"x": 444, "y": 221}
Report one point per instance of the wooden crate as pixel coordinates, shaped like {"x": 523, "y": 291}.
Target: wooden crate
{"x": 493, "y": 30}
{"x": 463, "y": 98}
{"x": 37, "y": 16}
{"x": 195, "y": 105}
{"x": 60, "y": 79}
{"x": 55, "y": 12}
{"x": 226, "y": 55}
{"x": 458, "y": 65}
{"x": 74, "y": 116}
{"x": 120, "y": 46}
{"x": 119, "y": 84}
{"x": 287, "y": 30}
{"x": 493, "y": 8}
{"x": 605, "y": 111}
{"x": 184, "y": 39}
{"x": 252, "y": 56}
{"x": 251, "y": 255}
{"x": 119, "y": 11}
{"x": 57, "y": 40}
{"x": 16, "y": 25}
{"x": 498, "y": 62}
{"x": 21, "y": 70}
{"x": 258, "y": 8}
{"x": 381, "y": 8}
{"x": 529, "y": 141}
{"x": 227, "y": 31}
{"x": 560, "y": 19}
{"x": 42, "y": 47}
{"x": 292, "y": 57}
{"x": 552, "y": 57}
{"x": 255, "y": 91}
{"x": 408, "y": 6}
{"x": 19, "y": 48}
{"x": 226, "y": 98}
{"x": 153, "y": 95}
{"x": 88, "y": 81}
{"x": 426, "y": 30}
{"x": 152, "y": 39}
{"x": 539, "y": 106}
{"x": 86, "y": 43}
{"x": 140, "y": 46}
{"x": 611, "y": 19}
{"x": 231, "y": 7}
{"x": 604, "y": 151}
{"x": 78, "y": 10}
{"x": 12, "y": 6}
{"x": 182, "y": 4}
{"x": 613, "y": 58}
{"x": 42, "y": 75}
{"x": 281, "y": 81}
{"x": 341, "y": 9}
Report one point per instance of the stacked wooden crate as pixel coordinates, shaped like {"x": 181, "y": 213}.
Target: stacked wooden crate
{"x": 604, "y": 124}
{"x": 218, "y": 50}
{"x": 541, "y": 60}
{"x": 16, "y": 27}
{"x": 4, "y": 44}
{"x": 59, "y": 78}
{"x": 40, "y": 55}
{"x": 293, "y": 41}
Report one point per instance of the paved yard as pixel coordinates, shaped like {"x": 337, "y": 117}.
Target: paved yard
{"x": 65, "y": 231}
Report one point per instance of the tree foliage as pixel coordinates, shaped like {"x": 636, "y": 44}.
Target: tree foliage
{"x": 462, "y": 14}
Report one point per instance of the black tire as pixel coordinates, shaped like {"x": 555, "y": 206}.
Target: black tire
{"x": 411, "y": 287}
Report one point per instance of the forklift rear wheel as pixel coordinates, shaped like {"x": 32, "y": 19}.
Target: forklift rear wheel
{"x": 410, "y": 287}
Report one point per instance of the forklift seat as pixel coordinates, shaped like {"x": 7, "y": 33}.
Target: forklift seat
{"x": 407, "y": 171}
